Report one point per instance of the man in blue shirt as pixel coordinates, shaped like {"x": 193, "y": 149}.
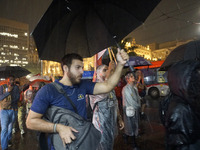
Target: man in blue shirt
{"x": 76, "y": 89}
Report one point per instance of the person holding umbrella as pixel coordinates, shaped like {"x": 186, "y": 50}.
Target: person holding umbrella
{"x": 76, "y": 89}
{"x": 106, "y": 114}
{"x": 9, "y": 96}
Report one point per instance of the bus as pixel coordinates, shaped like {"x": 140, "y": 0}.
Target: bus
{"x": 155, "y": 80}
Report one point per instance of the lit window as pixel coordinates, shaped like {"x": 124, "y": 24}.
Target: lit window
{"x": 14, "y": 46}
{"x": 15, "y": 54}
{"x": 25, "y": 62}
{"x": 13, "y": 64}
{"x": 9, "y": 34}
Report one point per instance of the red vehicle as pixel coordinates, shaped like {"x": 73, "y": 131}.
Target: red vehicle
{"x": 155, "y": 80}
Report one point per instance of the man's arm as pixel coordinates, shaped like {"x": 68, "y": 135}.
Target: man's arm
{"x": 35, "y": 122}
{"x": 107, "y": 86}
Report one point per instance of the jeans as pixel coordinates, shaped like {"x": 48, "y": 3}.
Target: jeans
{"x": 7, "y": 120}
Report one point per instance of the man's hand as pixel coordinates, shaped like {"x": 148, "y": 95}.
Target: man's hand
{"x": 121, "y": 124}
{"x": 66, "y": 134}
{"x": 122, "y": 57}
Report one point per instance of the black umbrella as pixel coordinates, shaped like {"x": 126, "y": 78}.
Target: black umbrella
{"x": 16, "y": 71}
{"x": 87, "y": 26}
{"x": 186, "y": 51}
{"x": 136, "y": 61}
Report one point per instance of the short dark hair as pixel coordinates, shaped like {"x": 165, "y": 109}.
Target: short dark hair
{"x": 127, "y": 75}
{"x": 67, "y": 59}
{"x": 17, "y": 82}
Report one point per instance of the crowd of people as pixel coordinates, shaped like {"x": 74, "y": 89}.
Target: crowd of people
{"x": 117, "y": 102}
{"x": 106, "y": 103}
{"x": 15, "y": 103}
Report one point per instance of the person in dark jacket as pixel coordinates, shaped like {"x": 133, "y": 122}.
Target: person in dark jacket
{"x": 183, "y": 115}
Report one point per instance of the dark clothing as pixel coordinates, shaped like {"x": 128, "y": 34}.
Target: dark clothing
{"x": 48, "y": 96}
{"x": 182, "y": 118}
{"x": 10, "y": 99}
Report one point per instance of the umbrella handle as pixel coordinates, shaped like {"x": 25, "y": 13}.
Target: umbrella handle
{"x": 130, "y": 67}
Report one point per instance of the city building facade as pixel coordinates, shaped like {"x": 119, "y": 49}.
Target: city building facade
{"x": 155, "y": 51}
{"x": 14, "y": 43}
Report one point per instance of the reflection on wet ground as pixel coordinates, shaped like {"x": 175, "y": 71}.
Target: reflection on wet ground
{"x": 151, "y": 134}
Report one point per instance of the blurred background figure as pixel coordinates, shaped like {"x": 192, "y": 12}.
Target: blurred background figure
{"x": 28, "y": 97}
{"x": 141, "y": 89}
{"x": 21, "y": 110}
{"x": 9, "y": 96}
{"x": 118, "y": 91}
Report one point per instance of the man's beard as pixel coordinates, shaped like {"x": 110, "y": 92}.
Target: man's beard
{"x": 73, "y": 78}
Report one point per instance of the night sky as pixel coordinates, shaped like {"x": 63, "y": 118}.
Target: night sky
{"x": 171, "y": 20}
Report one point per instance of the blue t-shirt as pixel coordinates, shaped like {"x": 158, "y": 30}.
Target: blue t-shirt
{"x": 48, "y": 96}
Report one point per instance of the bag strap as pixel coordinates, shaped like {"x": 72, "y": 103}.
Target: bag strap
{"x": 95, "y": 104}
{"x": 60, "y": 89}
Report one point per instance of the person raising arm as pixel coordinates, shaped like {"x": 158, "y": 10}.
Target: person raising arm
{"x": 76, "y": 89}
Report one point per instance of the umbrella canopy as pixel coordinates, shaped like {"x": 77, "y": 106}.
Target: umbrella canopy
{"x": 2, "y": 82}
{"x": 137, "y": 61}
{"x": 37, "y": 82}
{"x": 16, "y": 71}
{"x": 186, "y": 51}
{"x": 39, "y": 77}
{"x": 87, "y": 26}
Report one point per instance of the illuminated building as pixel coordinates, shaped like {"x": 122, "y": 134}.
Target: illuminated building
{"x": 162, "y": 50}
{"x": 154, "y": 51}
{"x": 14, "y": 43}
{"x": 34, "y": 65}
{"x": 51, "y": 68}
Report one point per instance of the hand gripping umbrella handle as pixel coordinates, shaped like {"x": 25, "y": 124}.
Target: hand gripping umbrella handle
{"x": 130, "y": 67}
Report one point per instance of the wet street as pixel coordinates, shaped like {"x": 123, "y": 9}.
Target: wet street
{"x": 151, "y": 133}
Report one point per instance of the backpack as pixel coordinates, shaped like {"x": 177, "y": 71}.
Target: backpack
{"x": 88, "y": 136}
{"x": 164, "y": 104}
{"x": 6, "y": 103}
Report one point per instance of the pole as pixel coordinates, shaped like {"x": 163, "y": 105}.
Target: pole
{"x": 41, "y": 68}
